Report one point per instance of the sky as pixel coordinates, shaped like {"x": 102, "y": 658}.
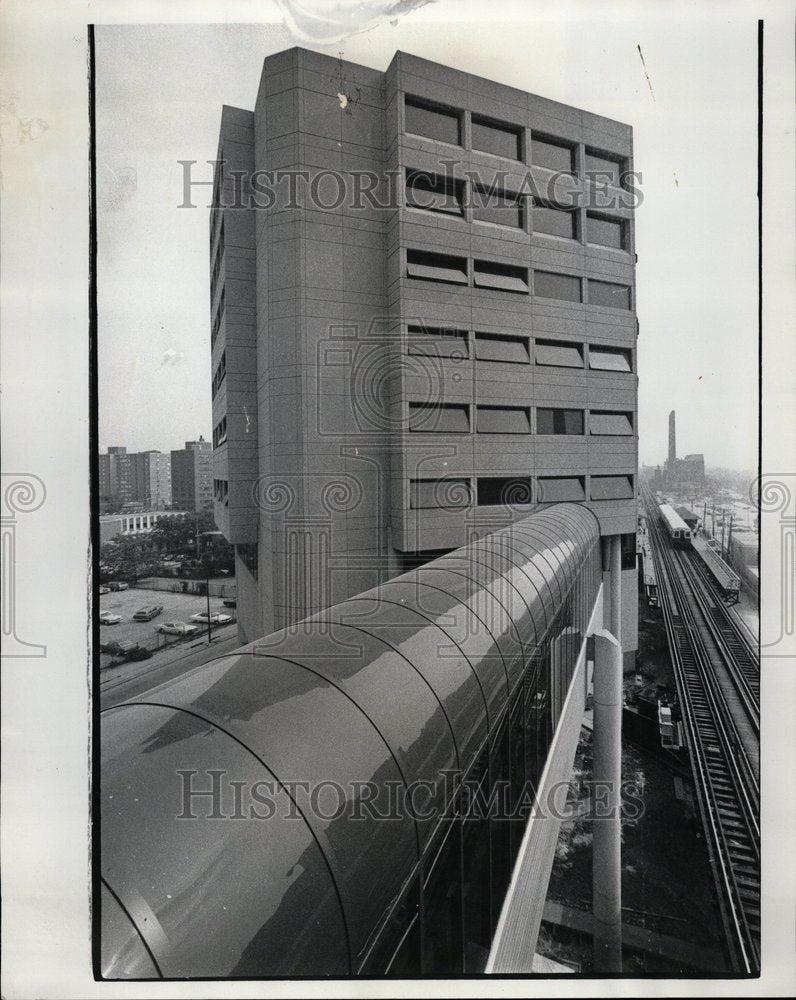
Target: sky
{"x": 693, "y": 107}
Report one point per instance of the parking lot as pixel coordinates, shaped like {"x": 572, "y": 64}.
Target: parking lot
{"x": 176, "y": 607}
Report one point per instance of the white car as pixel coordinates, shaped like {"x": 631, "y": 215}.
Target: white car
{"x": 177, "y": 628}
{"x": 109, "y": 618}
{"x": 216, "y": 619}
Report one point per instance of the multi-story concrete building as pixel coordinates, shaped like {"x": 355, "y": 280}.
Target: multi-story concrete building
{"x": 117, "y": 477}
{"x": 192, "y": 476}
{"x": 423, "y": 325}
{"x": 153, "y": 479}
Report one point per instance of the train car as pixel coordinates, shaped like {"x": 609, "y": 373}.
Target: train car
{"x": 690, "y": 518}
{"x": 678, "y": 531}
{"x": 727, "y": 581}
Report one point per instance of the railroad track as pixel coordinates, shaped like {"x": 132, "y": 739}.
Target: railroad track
{"x": 717, "y": 727}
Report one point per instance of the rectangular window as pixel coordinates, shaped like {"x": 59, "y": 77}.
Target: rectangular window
{"x": 552, "y": 221}
{"x": 436, "y": 267}
{"x": 439, "y": 418}
{"x": 503, "y": 420}
{"x": 612, "y": 487}
{"x": 221, "y": 491}
{"x": 604, "y": 231}
{"x": 563, "y": 354}
{"x": 566, "y": 287}
{"x": 220, "y": 432}
{"x": 603, "y": 167}
{"x": 610, "y": 359}
{"x": 610, "y": 423}
{"x": 506, "y": 277}
{"x": 444, "y": 494}
{"x": 495, "y": 347}
{"x": 557, "y": 489}
{"x": 439, "y": 342}
{"x": 497, "y": 138}
{"x": 501, "y": 208}
{"x": 607, "y": 293}
{"x": 552, "y": 154}
{"x": 219, "y": 315}
{"x": 434, "y": 192}
{"x": 220, "y": 374}
{"x": 433, "y": 120}
{"x": 511, "y": 490}
{"x": 558, "y": 421}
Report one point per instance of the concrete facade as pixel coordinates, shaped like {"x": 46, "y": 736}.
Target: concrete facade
{"x": 395, "y": 376}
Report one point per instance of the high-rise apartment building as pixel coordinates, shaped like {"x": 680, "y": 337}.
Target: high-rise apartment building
{"x": 192, "y": 476}
{"x": 423, "y": 325}
{"x": 134, "y": 477}
{"x": 153, "y": 473}
{"x": 118, "y": 483}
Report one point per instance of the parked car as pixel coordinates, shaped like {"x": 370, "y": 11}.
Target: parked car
{"x": 148, "y": 613}
{"x": 118, "y": 585}
{"x": 109, "y": 618}
{"x": 231, "y": 602}
{"x": 104, "y": 590}
{"x": 177, "y": 628}
{"x": 118, "y": 648}
{"x": 215, "y": 619}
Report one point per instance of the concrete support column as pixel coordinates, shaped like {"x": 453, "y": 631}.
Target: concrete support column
{"x": 607, "y": 803}
{"x": 616, "y": 587}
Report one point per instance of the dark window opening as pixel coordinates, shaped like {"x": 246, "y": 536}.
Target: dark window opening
{"x": 503, "y": 420}
{"x": 510, "y": 490}
{"x": 430, "y": 266}
{"x": 445, "y": 494}
{"x": 552, "y": 154}
{"x": 552, "y": 221}
{"x": 220, "y": 373}
{"x": 606, "y": 293}
{"x": 497, "y": 138}
{"x": 439, "y": 342}
{"x": 558, "y": 421}
{"x": 610, "y": 359}
{"x": 610, "y": 423}
{"x": 555, "y": 489}
{"x": 612, "y": 488}
{"x": 495, "y": 347}
{"x": 220, "y": 432}
{"x": 439, "y": 418}
{"x": 433, "y": 121}
{"x": 563, "y": 354}
{"x": 550, "y": 285}
{"x": 434, "y": 192}
{"x": 604, "y": 231}
{"x": 604, "y": 168}
{"x": 501, "y": 208}
{"x": 505, "y": 277}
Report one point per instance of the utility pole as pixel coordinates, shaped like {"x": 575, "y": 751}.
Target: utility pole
{"x": 729, "y": 539}
{"x": 207, "y": 574}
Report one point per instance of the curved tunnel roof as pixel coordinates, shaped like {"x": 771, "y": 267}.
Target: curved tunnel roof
{"x": 248, "y": 796}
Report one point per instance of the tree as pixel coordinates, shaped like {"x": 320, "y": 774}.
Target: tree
{"x": 127, "y": 557}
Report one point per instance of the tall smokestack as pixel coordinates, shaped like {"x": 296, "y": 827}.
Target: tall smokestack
{"x": 672, "y": 442}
